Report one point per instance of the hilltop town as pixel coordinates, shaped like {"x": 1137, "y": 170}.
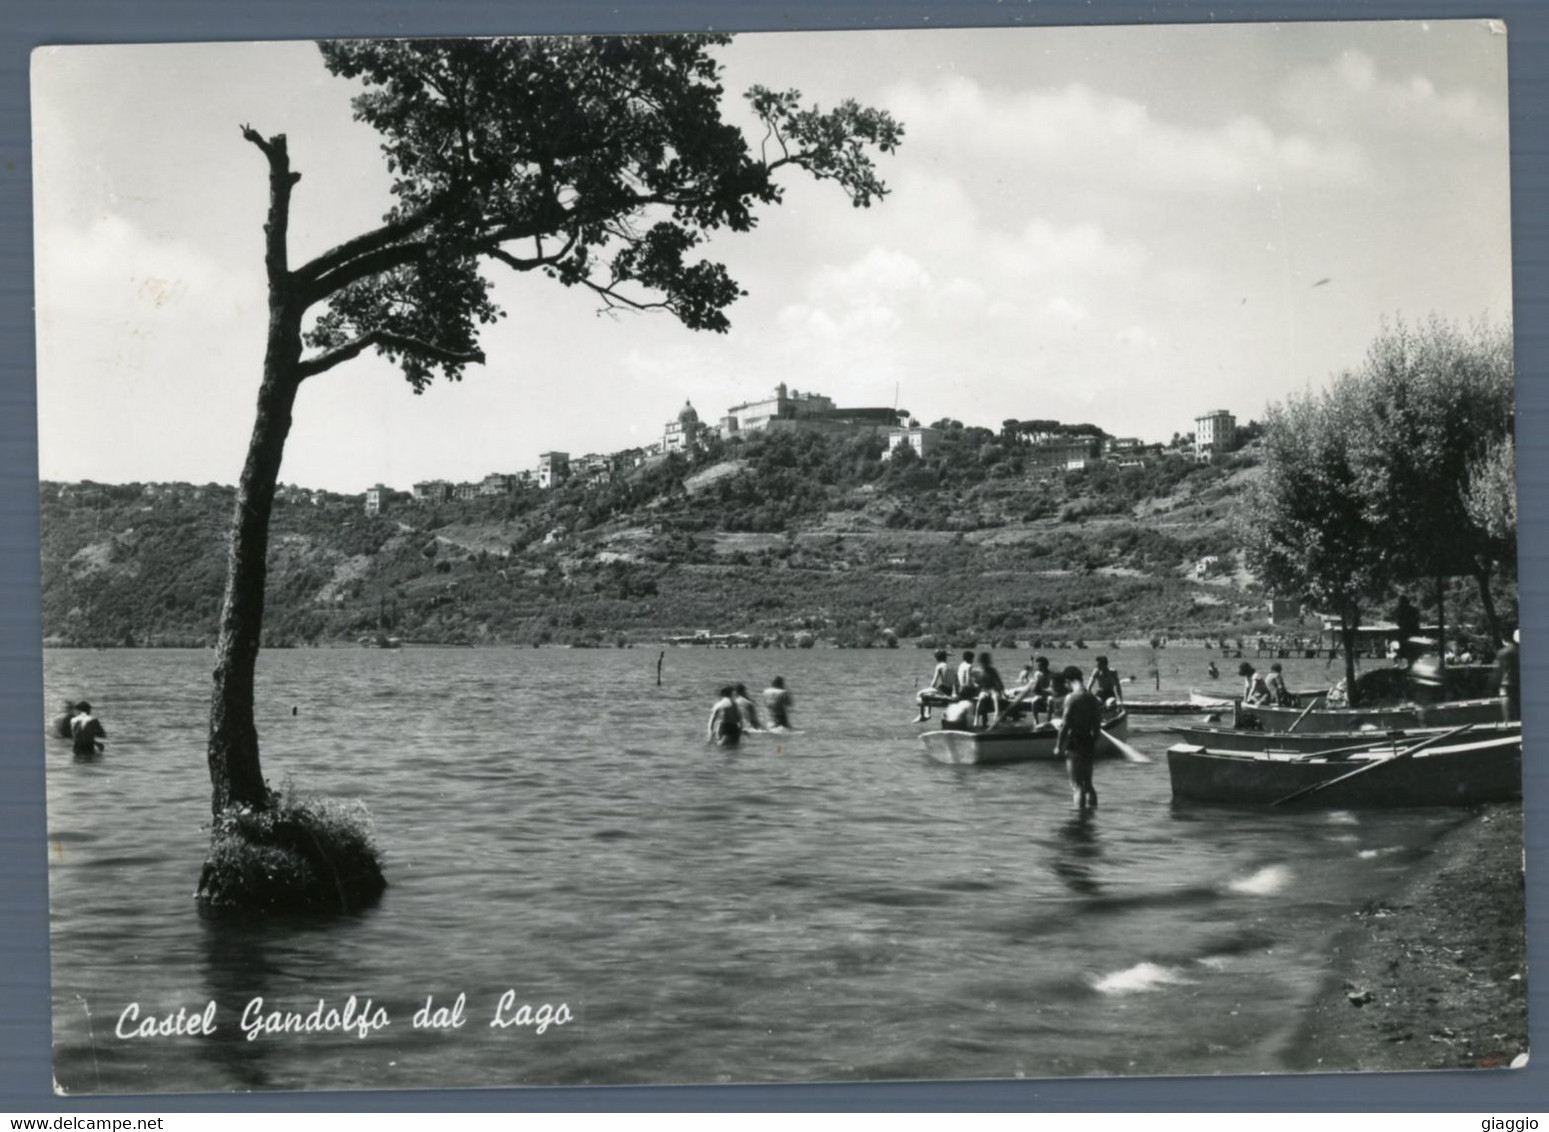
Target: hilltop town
{"x": 1049, "y": 444}
{"x": 791, "y": 520}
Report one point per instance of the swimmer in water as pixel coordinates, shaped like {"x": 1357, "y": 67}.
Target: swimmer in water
{"x": 745, "y": 708}
{"x": 86, "y": 731}
{"x": 725, "y": 719}
{"x": 777, "y": 705}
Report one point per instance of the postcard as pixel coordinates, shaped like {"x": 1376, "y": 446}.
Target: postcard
{"x": 685, "y": 559}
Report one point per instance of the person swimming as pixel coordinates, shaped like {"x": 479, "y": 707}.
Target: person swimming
{"x": 725, "y": 719}
{"x": 745, "y": 707}
{"x": 86, "y": 731}
{"x": 60, "y": 728}
{"x": 777, "y": 705}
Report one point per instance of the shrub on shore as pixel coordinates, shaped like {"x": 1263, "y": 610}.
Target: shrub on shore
{"x": 303, "y": 854}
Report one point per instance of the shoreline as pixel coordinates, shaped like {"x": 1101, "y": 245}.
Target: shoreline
{"x": 1434, "y": 975}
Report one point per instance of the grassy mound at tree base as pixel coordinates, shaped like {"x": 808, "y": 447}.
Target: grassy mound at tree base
{"x": 305, "y": 855}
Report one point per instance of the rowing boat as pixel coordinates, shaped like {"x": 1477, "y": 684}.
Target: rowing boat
{"x": 1013, "y": 743}
{"x": 1223, "y": 738}
{"x": 1400, "y": 717}
{"x": 1460, "y": 773}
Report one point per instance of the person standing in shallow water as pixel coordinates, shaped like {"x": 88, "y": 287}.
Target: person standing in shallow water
{"x": 1508, "y": 676}
{"x": 1080, "y": 725}
{"x": 725, "y": 719}
{"x": 745, "y": 708}
{"x": 777, "y": 705}
{"x": 86, "y": 731}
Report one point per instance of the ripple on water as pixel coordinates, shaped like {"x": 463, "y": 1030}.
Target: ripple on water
{"x": 1140, "y": 978}
{"x": 1265, "y": 882}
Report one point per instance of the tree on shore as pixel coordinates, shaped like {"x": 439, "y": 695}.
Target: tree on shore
{"x": 1433, "y": 402}
{"x": 603, "y": 163}
{"x": 1401, "y": 472}
{"x": 1303, "y": 527}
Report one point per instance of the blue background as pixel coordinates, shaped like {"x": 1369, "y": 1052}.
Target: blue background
{"x": 25, "y": 1082}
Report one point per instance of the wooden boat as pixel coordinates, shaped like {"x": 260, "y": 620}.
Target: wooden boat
{"x": 1458, "y": 773}
{"x": 1014, "y": 743}
{"x": 1223, "y": 738}
{"x": 1200, "y": 700}
{"x": 1399, "y": 717}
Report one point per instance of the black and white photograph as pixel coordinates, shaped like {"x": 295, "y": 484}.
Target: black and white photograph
{"x": 923, "y": 555}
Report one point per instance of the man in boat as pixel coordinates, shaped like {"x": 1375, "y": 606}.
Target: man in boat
{"x": 965, "y": 671}
{"x": 1215, "y": 672}
{"x": 1040, "y": 688}
{"x": 745, "y": 708}
{"x": 991, "y": 689}
{"x": 1508, "y": 677}
{"x": 725, "y": 719}
{"x": 86, "y": 731}
{"x": 959, "y": 714}
{"x": 777, "y": 704}
{"x": 1080, "y": 725}
{"x": 1255, "y": 690}
{"x": 1279, "y": 694}
{"x": 1105, "y": 684}
{"x": 941, "y": 685}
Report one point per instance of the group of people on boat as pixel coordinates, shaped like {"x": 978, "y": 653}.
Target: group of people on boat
{"x": 1261, "y": 690}
{"x": 734, "y": 712}
{"x": 81, "y": 727}
{"x": 974, "y": 695}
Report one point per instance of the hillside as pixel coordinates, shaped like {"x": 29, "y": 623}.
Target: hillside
{"x": 788, "y": 537}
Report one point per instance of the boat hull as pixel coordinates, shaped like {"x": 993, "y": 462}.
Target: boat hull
{"x": 1459, "y": 774}
{"x": 1313, "y": 742}
{"x": 1016, "y": 744}
{"x": 1452, "y": 713}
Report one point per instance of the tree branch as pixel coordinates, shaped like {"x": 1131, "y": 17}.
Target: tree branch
{"x": 539, "y": 260}
{"x": 310, "y": 367}
{"x": 370, "y": 241}
{"x": 612, "y": 300}
{"x": 281, "y": 179}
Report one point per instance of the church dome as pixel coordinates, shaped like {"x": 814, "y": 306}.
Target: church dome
{"x": 687, "y": 415}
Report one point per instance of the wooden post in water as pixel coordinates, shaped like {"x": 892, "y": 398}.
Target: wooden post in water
{"x": 659, "y": 658}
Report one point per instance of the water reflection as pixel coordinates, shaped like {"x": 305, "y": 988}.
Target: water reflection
{"x": 236, "y": 961}
{"x": 1076, "y": 853}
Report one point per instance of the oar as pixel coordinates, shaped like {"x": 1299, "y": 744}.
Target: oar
{"x": 1009, "y": 711}
{"x": 1407, "y": 752}
{"x": 1129, "y": 753}
{"x": 1301, "y": 717}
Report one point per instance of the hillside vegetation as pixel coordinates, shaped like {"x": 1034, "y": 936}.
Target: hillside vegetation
{"x": 793, "y": 538}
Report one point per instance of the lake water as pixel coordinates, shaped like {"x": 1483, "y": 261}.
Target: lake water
{"x": 827, "y": 905}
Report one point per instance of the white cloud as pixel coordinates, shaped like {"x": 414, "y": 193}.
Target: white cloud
{"x": 1351, "y": 93}
{"x": 1084, "y": 133}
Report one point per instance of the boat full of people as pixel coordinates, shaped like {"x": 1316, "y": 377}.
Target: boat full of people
{"x": 1016, "y": 741}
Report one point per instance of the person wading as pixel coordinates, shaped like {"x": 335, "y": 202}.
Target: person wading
{"x": 726, "y": 720}
{"x": 1080, "y": 724}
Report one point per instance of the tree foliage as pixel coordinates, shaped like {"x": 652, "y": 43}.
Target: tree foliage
{"x": 1304, "y": 530}
{"x": 604, "y": 163}
{"x": 1431, "y": 402}
{"x": 1400, "y": 472}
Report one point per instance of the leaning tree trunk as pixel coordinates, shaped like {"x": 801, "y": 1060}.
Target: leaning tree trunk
{"x": 235, "y": 774}
{"x": 1487, "y": 600}
{"x": 1349, "y": 624}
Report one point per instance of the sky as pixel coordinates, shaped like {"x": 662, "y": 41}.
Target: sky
{"x": 1128, "y": 226}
